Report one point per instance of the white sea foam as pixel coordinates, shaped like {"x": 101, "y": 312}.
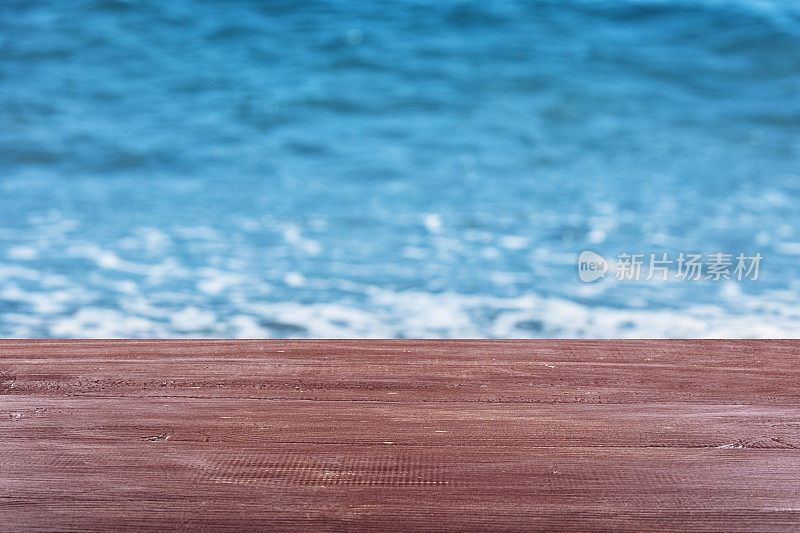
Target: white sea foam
{"x": 193, "y": 319}
{"x": 22, "y": 253}
{"x": 398, "y": 314}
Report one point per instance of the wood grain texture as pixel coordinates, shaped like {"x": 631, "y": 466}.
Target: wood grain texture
{"x": 407, "y": 435}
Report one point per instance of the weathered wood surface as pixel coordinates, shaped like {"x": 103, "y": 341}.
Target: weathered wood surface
{"x": 517, "y": 435}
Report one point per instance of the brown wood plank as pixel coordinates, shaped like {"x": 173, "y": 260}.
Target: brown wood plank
{"x": 517, "y": 435}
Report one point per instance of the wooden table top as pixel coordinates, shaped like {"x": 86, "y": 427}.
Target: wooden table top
{"x": 411, "y": 435}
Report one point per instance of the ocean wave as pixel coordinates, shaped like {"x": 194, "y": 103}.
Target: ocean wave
{"x": 69, "y": 311}
{"x": 350, "y": 169}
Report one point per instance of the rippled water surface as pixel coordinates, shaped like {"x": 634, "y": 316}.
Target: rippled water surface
{"x": 394, "y": 169}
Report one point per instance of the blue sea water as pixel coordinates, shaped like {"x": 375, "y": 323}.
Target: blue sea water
{"x": 347, "y": 168}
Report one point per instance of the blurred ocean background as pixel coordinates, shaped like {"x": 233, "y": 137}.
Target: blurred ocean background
{"x": 348, "y": 168}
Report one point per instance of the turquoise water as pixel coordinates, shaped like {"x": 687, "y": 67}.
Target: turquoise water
{"x": 394, "y": 169}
